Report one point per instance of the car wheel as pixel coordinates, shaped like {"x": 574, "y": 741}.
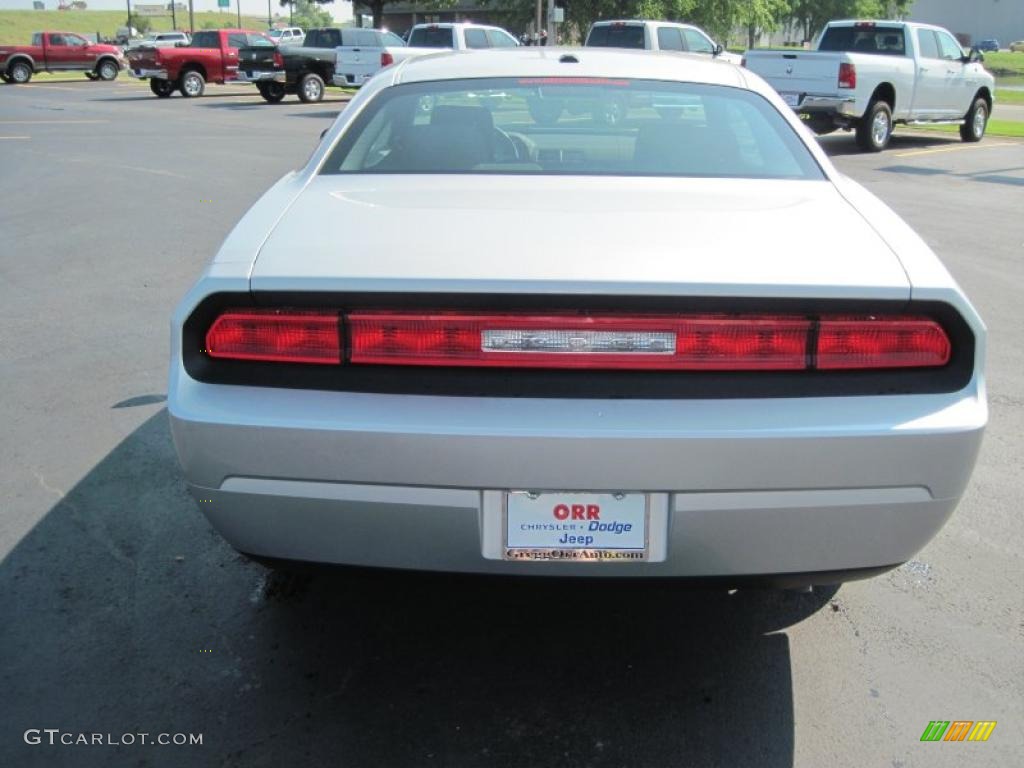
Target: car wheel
{"x": 271, "y": 92}
{"x": 311, "y": 88}
{"x": 192, "y": 84}
{"x": 20, "y": 72}
{"x": 975, "y": 122}
{"x": 875, "y": 128}
{"x": 162, "y": 88}
{"x": 107, "y": 70}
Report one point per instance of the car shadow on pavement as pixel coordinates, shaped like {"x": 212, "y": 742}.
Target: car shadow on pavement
{"x": 842, "y": 143}
{"x": 125, "y": 613}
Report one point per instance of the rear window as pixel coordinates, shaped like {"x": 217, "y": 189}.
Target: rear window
{"x": 866, "y": 39}
{"x": 572, "y": 126}
{"x": 206, "y": 40}
{"x": 432, "y": 37}
{"x": 616, "y": 36}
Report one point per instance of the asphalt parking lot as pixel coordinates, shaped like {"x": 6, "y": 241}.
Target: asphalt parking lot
{"x": 122, "y": 612}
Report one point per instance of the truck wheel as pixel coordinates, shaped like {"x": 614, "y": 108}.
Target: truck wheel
{"x": 107, "y": 70}
{"x": 271, "y": 92}
{"x": 20, "y": 72}
{"x": 162, "y": 88}
{"x": 975, "y": 121}
{"x": 192, "y": 84}
{"x": 875, "y": 128}
{"x": 311, "y": 88}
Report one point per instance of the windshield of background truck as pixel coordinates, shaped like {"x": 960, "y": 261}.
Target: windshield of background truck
{"x": 864, "y": 39}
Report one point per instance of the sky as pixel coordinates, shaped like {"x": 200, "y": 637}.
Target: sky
{"x": 341, "y": 10}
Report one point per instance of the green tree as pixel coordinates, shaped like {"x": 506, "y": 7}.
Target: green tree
{"x": 141, "y": 23}
{"x": 309, "y": 14}
{"x": 760, "y": 16}
{"x": 811, "y": 15}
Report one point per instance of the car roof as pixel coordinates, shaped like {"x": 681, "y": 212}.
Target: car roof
{"x": 641, "y": 22}
{"x": 548, "y": 61}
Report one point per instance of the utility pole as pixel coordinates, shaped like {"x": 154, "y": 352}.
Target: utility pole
{"x": 270, "y": 21}
{"x": 536, "y": 28}
{"x": 238, "y": 4}
{"x": 191, "y": 20}
{"x": 130, "y": 18}
{"x": 552, "y": 35}
{"x": 174, "y": 19}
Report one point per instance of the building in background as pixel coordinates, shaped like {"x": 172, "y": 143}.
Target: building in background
{"x": 974, "y": 20}
{"x": 399, "y": 17}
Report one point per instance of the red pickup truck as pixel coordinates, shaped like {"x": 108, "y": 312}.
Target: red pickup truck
{"x": 59, "y": 52}
{"x": 212, "y": 56}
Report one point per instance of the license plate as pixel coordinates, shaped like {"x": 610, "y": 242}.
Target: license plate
{"x": 576, "y": 526}
{"x": 792, "y": 99}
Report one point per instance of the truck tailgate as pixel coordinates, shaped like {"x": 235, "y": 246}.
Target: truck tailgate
{"x": 146, "y": 57}
{"x": 797, "y": 73}
{"x": 259, "y": 57}
{"x": 358, "y": 63}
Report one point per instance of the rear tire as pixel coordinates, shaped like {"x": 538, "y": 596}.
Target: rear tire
{"x": 271, "y": 92}
{"x": 162, "y": 88}
{"x": 875, "y": 129}
{"x": 975, "y": 121}
{"x": 107, "y": 70}
{"x": 20, "y": 72}
{"x": 192, "y": 84}
{"x": 311, "y": 88}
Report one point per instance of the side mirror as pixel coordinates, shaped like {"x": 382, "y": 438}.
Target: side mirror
{"x": 323, "y": 133}
{"x": 717, "y": 50}
{"x": 975, "y": 55}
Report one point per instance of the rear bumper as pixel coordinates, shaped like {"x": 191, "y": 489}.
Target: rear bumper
{"x": 261, "y": 77}
{"x": 143, "y": 74}
{"x": 744, "y": 488}
{"x": 812, "y": 104}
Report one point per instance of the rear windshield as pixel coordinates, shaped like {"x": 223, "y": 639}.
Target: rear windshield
{"x": 865, "y": 39}
{"x": 616, "y": 36}
{"x": 572, "y": 126}
{"x": 206, "y": 40}
{"x": 432, "y": 37}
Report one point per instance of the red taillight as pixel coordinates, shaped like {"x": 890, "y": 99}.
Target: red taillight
{"x": 903, "y": 342}
{"x": 386, "y": 59}
{"x": 278, "y": 60}
{"x": 847, "y": 75}
{"x": 576, "y": 341}
{"x": 281, "y": 337}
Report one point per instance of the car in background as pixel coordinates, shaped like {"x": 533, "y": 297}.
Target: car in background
{"x": 59, "y": 52}
{"x": 159, "y": 40}
{"x": 212, "y": 56}
{"x": 372, "y": 50}
{"x": 989, "y": 45}
{"x": 287, "y": 35}
{"x": 656, "y": 36}
{"x": 1017, "y": 46}
{"x": 868, "y": 76}
{"x": 374, "y": 370}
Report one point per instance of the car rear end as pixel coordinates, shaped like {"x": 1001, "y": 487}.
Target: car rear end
{"x": 809, "y": 81}
{"x": 623, "y": 397}
{"x": 261, "y": 64}
{"x": 148, "y": 62}
{"x": 619, "y": 34}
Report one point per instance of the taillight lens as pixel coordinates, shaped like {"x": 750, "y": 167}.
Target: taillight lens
{"x": 386, "y": 59}
{"x": 882, "y": 343}
{"x": 847, "y": 75}
{"x": 278, "y": 60}
{"x": 272, "y": 336}
{"x": 706, "y": 342}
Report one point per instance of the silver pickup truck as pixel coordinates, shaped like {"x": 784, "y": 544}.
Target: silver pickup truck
{"x": 870, "y": 75}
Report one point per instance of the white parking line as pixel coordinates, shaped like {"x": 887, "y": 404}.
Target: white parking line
{"x": 52, "y": 122}
{"x": 15, "y": 137}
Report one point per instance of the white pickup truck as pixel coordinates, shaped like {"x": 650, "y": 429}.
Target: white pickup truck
{"x": 355, "y": 64}
{"x": 869, "y": 75}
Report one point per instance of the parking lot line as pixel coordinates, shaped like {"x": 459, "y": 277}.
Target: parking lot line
{"x": 956, "y": 148}
{"x": 52, "y": 122}
{"x": 15, "y": 137}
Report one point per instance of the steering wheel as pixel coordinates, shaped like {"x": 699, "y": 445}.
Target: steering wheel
{"x": 505, "y": 148}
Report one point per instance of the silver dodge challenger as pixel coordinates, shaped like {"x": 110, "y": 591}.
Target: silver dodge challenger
{"x": 583, "y": 313}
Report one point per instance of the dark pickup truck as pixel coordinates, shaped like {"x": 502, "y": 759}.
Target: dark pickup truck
{"x": 300, "y": 69}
